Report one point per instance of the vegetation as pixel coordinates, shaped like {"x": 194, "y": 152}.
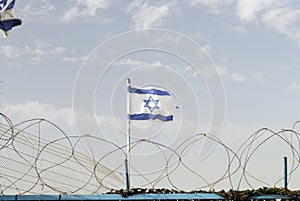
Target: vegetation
{"x": 228, "y": 195}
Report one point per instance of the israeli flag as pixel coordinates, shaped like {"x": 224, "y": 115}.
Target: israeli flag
{"x": 7, "y": 20}
{"x": 149, "y": 103}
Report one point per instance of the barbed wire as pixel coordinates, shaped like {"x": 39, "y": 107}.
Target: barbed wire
{"x": 30, "y": 164}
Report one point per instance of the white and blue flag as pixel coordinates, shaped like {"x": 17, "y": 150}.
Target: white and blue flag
{"x": 7, "y": 20}
{"x": 150, "y": 103}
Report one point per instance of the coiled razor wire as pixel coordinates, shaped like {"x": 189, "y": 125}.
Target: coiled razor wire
{"x": 30, "y": 164}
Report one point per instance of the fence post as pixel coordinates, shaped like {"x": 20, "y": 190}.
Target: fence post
{"x": 285, "y": 172}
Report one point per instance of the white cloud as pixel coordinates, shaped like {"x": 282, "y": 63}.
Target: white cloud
{"x": 222, "y": 70}
{"x": 91, "y": 6}
{"x": 197, "y": 36}
{"x": 209, "y": 71}
{"x": 261, "y": 77}
{"x": 10, "y": 52}
{"x": 129, "y": 62}
{"x": 205, "y": 71}
{"x": 14, "y": 52}
{"x": 37, "y": 52}
{"x": 236, "y": 77}
{"x": 133, "y": 5}
{"x": 278, "y": 15}
{"x": 294, "y": 65}
{"x": 133, "y": 63}
{"x": 295, "y": 86}
{"x": 188, "y": 71}
{"x": 248, "y": 10}
{"x": 63, "y": 116}
{"x": 281, "y": 16}
{"x": 147, "y": 16}
{"x": 70, "y": 14}
{"x": 72, "y": 59}
{"x": 29, "y": 110}
{"x": 167, "y": 37}
{"x": 37, "y": 11}
{"x": 58, "y": 50}
{"x": 207, "y": 48}
{"x": 85, "y": 8}
{"x": 284, "y": 20}
{"x": 239, "y": 29}
{"x": 214, "y": 6}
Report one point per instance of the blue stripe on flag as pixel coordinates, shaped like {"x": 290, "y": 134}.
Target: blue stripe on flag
{"x": 145, "y": 116}
{"x": 8, "y": 24}
{"x": 11, "y": 5}
{"x": 148, "y": 91}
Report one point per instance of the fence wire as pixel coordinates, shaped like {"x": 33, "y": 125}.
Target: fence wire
{"x": 30, "y": 164}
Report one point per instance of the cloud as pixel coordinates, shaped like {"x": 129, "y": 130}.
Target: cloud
{"x": 38, "y": 52}
{"x": 85, "y": 8}
{"x": 295, "y": 87}
{"x": 236, "y": 77}
{"x": 133, "y": 5}
{"x": 197, "y": 36}
{"x": 29, "y": 110}
{"x": 261, "y": 77}
{"x": 210, "y": 71}
{"x": 14, "y": 52}
{"x": 37, "y": 11}
{"x": 284, "y": 20}
{"x": 248, "y": 10}
{"x": 58, "y": 50}
{"x": 136, "y": 63}
{"x": 281, "y": 16}
{"x": 222, "y": 70}
{"x": 146, "y": 15}
{"x": 140, "y": 65}
{"x": 62, "y": 116}
{"x": 214, "y": 6}
{"x": 10, "y": 52}
{"x": 129, "y": 62}
{"x": 71, "y": 14}
{"x": 274, "y": 14}
{"x": 72, "y": 59}
{"x": 239, "y": 29}
{"x": 167, "y": 37}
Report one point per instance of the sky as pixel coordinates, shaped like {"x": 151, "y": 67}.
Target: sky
{"x": 231, "y": 66}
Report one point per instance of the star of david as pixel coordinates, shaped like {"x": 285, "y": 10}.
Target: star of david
{"x": 151, "y": 104}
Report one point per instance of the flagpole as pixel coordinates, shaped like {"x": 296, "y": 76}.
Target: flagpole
{"x": 127, "y": 160}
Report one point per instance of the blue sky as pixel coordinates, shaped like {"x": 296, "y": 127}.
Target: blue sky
{"x": 254, "y": 45}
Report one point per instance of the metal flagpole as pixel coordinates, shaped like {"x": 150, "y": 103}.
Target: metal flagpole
{"x": 127, "y": 160}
